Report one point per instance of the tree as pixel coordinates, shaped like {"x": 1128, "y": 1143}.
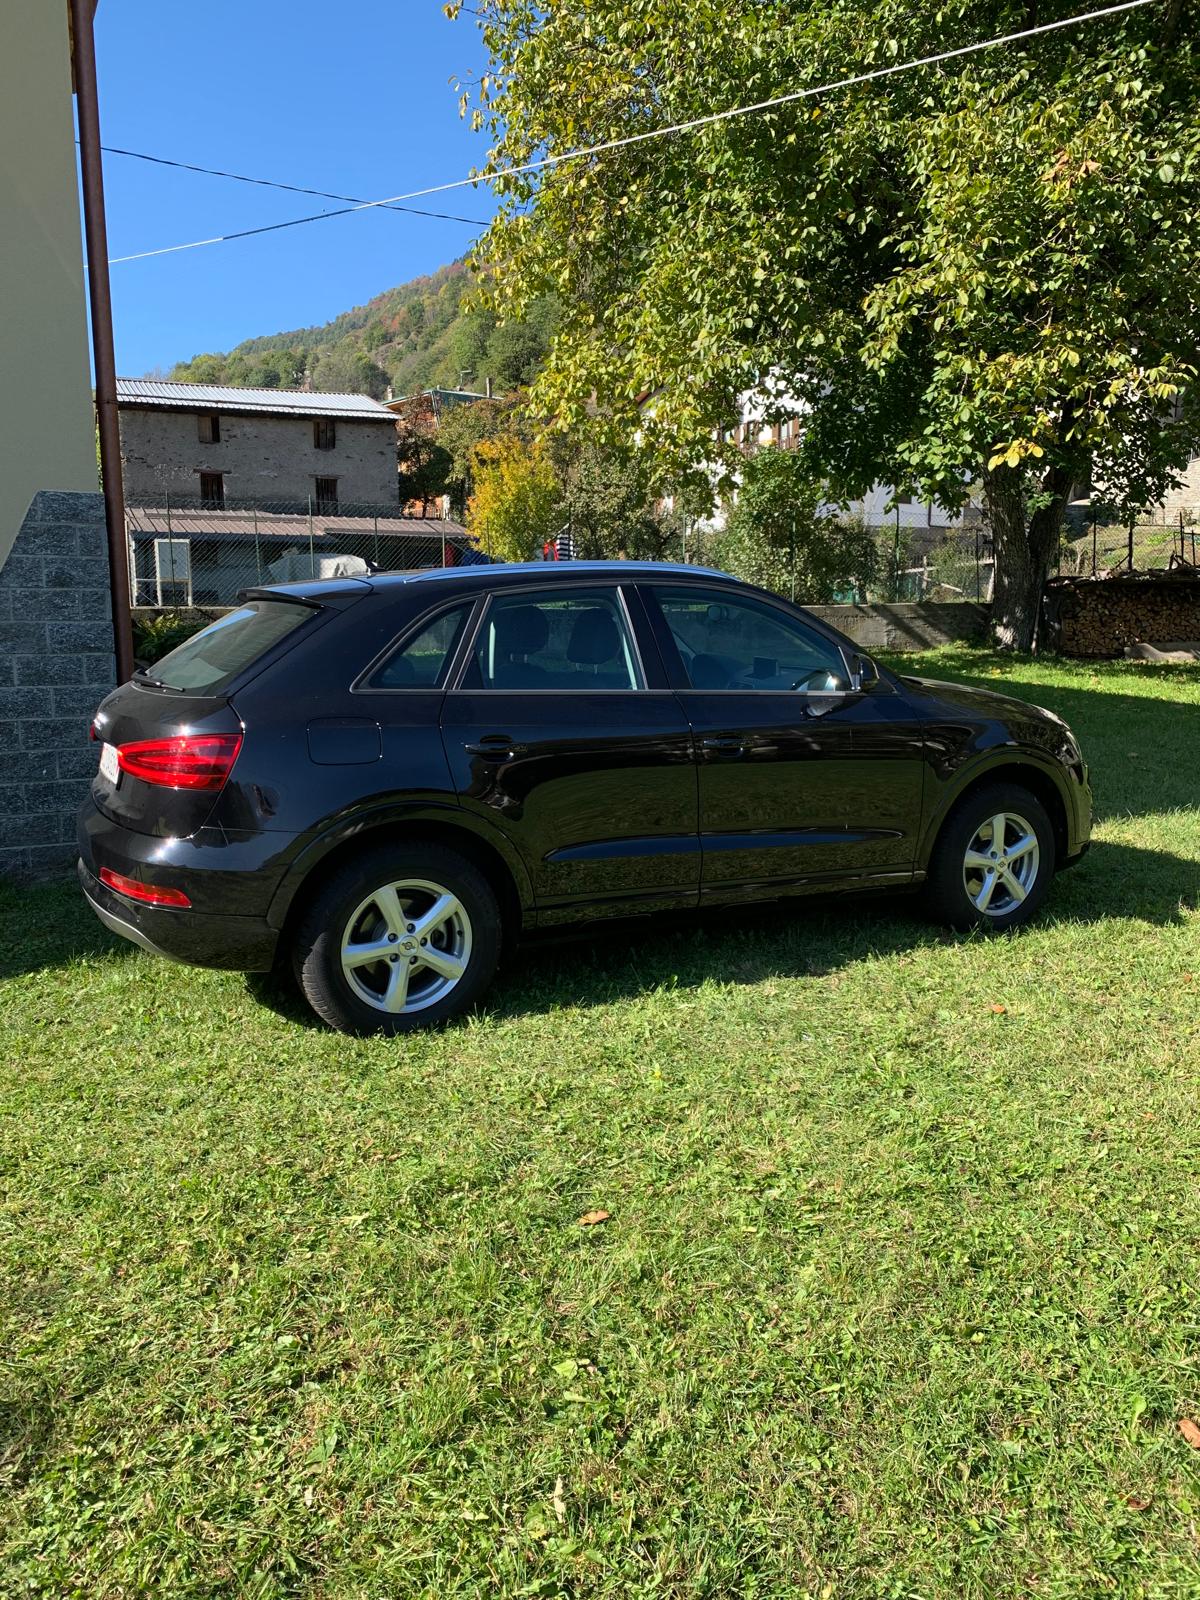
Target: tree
{"x": 983, "y": 268}
{"x": 777, "y": 537}
{"x": 423, "y": 459}
{"x": 609, "y": 502}
{"x": 518, "y": 504}
{"x": 460, "y": 429}
{"x": 347, "y": 371}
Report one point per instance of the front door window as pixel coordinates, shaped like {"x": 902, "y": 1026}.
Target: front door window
{"x": 728, "y": 643}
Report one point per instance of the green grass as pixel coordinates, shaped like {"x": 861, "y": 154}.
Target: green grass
{"x": 899, "y": 1296}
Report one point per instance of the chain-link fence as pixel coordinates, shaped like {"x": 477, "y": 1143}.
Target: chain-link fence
{"x": 1095, "y": 546}
{"x": 184, "y": 552}
{"x": 891, "y": 561}
{"x": 911, "y": 563}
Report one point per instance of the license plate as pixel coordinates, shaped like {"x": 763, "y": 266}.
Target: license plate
{"x": 108, "y": 763}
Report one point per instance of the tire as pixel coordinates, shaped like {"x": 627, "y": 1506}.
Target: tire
{"x": 390, "y": 896}
{"x": 957, "y": 888}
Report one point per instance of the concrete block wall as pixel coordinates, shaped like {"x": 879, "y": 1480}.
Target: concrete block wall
{"x": 909, "y": 625}
{"x": 56, "y": 665}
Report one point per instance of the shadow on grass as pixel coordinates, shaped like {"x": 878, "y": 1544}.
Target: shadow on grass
{"x": 802, "y": 937}
{"x": 49, "y": 925}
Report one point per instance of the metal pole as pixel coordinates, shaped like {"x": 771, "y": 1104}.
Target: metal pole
{"x": 375, "y": 515}
{"x": 1131, "y": 544}
{"x": 1093, "y": 542}
{"x": 792, "y": 557}
{"x": 312, "y": 559}
{"x": 257, "y": 547}
{"x": 83, "y": 55}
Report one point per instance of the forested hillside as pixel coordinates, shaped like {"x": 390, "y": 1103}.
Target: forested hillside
{"x": 411, "y": 337}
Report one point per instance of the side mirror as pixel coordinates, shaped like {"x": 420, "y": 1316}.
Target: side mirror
{"x": 864, "y": 672}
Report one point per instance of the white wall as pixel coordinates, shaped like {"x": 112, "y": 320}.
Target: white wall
{"x": 47, "y": 425}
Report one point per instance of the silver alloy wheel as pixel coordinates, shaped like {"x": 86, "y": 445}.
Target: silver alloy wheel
{"x": 1001, "y": 864}
{"x": 406, "y": 946}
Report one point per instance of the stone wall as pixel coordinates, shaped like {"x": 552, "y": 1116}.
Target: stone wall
{"x": 259, "y": 458}
{"x": 1102, "y": 616}
{"x": 56, "y": 665}
{"x": 908, "y": 625}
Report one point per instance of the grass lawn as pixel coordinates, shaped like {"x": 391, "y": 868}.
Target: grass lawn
{"x": 899, "y": 1295}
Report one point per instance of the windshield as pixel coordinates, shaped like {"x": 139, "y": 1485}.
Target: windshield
{"x": 210, "y": 660}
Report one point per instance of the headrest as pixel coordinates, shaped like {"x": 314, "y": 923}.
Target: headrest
{"x": 594, "y": 638}
{"x": 520, "y": 630}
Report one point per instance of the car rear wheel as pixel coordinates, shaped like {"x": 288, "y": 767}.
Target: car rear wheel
{"x": 993, "y": 861}
{"x": 396, "y": 939}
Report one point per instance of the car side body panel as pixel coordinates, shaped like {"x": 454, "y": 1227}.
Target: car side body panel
{"x": 595, "y": 807}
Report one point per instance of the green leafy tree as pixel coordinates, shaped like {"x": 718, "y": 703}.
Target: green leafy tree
{"x": 610, "y": 504}
{"x": 981, "y": 269}
{"x": 460, "y": 430}
{"x": 349, "y": 372}
{"x": 777, "y": 537}
{"x": 424, "y": 461}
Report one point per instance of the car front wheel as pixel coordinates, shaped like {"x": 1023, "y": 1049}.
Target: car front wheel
{"x": 994, "y": 860}
{"x": 397, "y": 939}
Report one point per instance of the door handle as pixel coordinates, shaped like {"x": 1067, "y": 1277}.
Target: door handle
{"x": 496, "y": 747}
{"x": 729, "y": 749}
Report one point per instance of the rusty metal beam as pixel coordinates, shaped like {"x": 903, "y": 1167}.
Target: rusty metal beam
{"x": 83, "y": 50}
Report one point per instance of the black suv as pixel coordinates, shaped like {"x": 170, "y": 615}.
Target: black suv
{"x": 381, "y": 780}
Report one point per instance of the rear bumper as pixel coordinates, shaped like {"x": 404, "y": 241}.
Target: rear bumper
{"x": 236, "y": 944}
{"x": 213, "y": 877}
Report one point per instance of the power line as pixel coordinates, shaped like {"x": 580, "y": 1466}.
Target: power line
{"x": 659, "y": 133}
{"x": 292, "y": 188}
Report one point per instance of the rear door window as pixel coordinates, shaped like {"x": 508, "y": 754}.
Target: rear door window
{"x": 576, "y": 639}
{"x": 210, "y": 660}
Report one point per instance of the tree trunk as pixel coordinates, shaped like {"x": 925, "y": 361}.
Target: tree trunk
{"x": 1024, "y": 547}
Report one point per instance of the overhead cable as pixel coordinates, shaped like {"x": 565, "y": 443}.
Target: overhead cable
{"x": 544, "y": 162}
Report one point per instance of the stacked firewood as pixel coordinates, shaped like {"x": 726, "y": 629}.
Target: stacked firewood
{"x": 1101, "y": 616}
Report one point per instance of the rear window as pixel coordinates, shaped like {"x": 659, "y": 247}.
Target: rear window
{"x": 213, "y": 658}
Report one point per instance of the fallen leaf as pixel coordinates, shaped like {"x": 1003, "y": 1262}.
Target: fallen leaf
{"x": 1190, "y": 1431}
{"x": 1135, "y": 1502}
{"x": 589, "y": 1219}
{"x": 999, "y": 1010}
{"x": 558, "y": 1502}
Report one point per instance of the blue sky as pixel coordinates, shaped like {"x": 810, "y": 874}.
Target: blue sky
{"x": 353, "y": 97}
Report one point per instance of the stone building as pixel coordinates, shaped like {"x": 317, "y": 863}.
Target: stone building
{"x": 199, "y": 443}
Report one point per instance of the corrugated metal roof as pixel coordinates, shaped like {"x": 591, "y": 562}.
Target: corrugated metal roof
{"x": 277, "y": 402}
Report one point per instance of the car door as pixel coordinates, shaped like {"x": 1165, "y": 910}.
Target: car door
{"x": 562, "y": 730}
{"x": 807, "y": 778}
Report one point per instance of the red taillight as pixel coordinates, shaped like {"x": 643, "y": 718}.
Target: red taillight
{"x": 192, "y": 761}
{"x": 149, "y": 893}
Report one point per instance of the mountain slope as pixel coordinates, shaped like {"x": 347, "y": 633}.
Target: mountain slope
{"x": 411, "y": 337}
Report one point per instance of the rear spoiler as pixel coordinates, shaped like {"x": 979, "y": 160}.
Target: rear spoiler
{"x": 315, "y": 592}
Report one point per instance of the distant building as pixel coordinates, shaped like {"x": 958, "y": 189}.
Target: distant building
{"x": 202, "y": 444}
{"x": 882, "y": 503}
{"x": 430, "y": 405}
